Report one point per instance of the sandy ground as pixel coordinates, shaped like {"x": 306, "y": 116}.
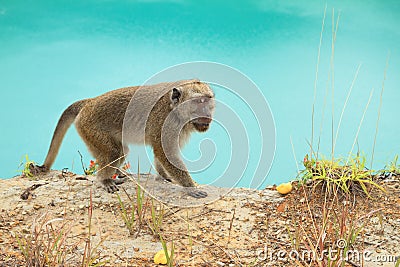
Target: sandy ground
{"x": 238, "y": 227}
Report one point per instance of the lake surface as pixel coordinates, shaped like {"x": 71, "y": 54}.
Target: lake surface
{"x": 56, "y": 52}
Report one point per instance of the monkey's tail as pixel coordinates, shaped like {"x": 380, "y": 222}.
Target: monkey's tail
{"x": 65, "y": 121}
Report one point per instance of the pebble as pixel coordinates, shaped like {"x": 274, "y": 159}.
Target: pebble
{"x": 12, "y": 213}
{"x": 374, "y": 220}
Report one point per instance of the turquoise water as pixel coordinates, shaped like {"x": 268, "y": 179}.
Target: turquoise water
{"x": 56, "y": 52}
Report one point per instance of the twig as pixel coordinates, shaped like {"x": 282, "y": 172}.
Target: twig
{"x": 25, "y": 195}
{"x": 83, "y": 165}
{"x": 230, "y": 225}
{"x": 208, "y": 211}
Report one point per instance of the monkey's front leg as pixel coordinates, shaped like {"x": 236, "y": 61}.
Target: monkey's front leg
{"x": 175, "y": 168}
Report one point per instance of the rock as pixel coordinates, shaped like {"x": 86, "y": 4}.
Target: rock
{"x": 37, "y": 206}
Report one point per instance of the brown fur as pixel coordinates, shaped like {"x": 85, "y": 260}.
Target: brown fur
{"x": 161, "y": 115}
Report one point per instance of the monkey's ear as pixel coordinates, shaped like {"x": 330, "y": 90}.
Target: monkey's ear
{"x": 175, "y": 95}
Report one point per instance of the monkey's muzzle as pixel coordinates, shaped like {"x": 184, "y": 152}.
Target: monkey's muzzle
{"x": 201, "y": 124}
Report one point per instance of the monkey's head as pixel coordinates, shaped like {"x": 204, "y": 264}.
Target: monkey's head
{"x": 195, "y": 104}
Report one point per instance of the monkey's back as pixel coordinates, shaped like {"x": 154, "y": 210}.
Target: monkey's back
{"x": 126, "y": 110}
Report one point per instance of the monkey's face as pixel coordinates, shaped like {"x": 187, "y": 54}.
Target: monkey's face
{"x": 203, "y": 110}
{"x": 195, "y": 103}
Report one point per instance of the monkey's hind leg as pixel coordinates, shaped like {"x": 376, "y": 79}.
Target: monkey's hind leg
{"x": 162, "y": 173}
{"x": 109, "y": 155}
{"x": 108, "y": 166}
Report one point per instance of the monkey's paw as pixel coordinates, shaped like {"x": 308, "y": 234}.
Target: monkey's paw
{"x": 110, "y": 186}
{"x": 120, "y": 179}
{"x": 193, "y": 192}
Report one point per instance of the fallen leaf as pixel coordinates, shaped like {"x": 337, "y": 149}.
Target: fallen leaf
{"x": 281, "y": 207}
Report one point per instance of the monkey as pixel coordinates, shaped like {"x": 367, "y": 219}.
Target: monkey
{"x": 161, "y": 115}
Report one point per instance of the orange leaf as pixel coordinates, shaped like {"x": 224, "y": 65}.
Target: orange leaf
{"x": 281, "y": 207}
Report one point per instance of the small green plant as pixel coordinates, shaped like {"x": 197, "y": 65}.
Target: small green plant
{"x": 93, "y": 166}
{"x": 26, "y": 170}
{"x": 157, "y": 215}
{"x": 339, "y": 174}
{"x": 127, "y": 216}
{"x": 397, "y": 264}
{"x": 169, "y": 255}
{"x": 140, "y": 202}
{"x": 393, "y": 167}
{"x": 134, "y": 216}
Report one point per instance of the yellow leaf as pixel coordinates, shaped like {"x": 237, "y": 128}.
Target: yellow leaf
{"x": 160, "y": 257}
{"x": 284, "y": 188}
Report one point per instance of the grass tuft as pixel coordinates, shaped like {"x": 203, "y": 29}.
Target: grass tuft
{"x": 345, "y": 176}
{"x": 46, "y": 244}
{"x": 26, "y": 170}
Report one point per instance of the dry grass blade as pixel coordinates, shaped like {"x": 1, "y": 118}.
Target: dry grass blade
{"x": 359, "y": 126}
{"x": 379, "y": 109}
{"x": 47, "y": 244}
{"x": 345, "y": 103}
{"x": 316, "y": 76}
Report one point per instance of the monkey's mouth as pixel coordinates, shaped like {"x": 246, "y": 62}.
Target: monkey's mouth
{"x": 201, "y": 124}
